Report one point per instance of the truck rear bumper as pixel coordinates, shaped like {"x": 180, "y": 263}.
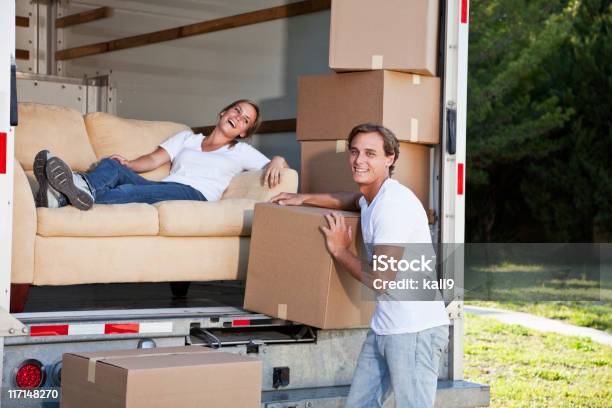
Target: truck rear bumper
{"x": 456, "y": 394}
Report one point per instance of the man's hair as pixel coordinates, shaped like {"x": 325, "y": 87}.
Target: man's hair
{"x": 390, "y": 142}
{"x": 254, "y": 126}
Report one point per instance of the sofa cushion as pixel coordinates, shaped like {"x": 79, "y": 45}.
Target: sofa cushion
{"x": 128, "y": 137}
{"x": 58, "y": 129}
{"x": 101, "y": 221}
{"x": 225, "y": 218}
{"x": 72, "y": 261}
{"x": 249, "y": 185}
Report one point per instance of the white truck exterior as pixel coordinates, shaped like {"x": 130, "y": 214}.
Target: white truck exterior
{"x": 320, "y": 363}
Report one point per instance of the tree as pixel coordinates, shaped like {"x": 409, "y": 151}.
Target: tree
{"x": 538, "y": 121}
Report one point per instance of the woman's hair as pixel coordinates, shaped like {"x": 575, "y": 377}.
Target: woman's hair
{"x": 253, "y": 128}
{"x": 390, "y": 142}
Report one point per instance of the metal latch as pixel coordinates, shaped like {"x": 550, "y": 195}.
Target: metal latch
{"x": 451, "y": 128}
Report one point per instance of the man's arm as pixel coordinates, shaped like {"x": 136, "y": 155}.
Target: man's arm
{"x": 337, "y": 201}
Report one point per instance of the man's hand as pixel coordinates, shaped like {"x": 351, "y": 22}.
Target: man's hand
{"x": 338, "y": 236}
{"x": 288, "y": 199}
{"x": 272, "y": 176}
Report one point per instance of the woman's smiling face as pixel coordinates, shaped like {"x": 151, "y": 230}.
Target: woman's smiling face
{"x": 236, "y": 121}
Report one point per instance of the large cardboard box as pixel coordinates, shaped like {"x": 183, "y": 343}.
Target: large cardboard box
{"x": 325, "y": 168}
{"x": 329, "y": 106}
{"x": 160, "y": 378}
{"x": 400, "y": 35}
{"x": 292, "y": 276}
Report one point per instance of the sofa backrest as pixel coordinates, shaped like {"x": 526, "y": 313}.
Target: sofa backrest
{"x": 128, "y": 137}
{"x": 58, "y": 129}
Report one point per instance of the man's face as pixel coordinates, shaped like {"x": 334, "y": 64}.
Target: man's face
{"x": 369, "y": 163}
{"x": 238, "y": 119}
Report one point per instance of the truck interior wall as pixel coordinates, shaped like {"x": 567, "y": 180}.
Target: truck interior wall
{"x": 190, "y": 79}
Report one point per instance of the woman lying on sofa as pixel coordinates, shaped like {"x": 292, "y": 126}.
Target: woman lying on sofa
{"x": 201, "y": 167}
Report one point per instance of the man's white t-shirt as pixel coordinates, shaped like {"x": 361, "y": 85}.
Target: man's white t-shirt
{"x": 396, "y": 216}
{"x": 208, "y": 172}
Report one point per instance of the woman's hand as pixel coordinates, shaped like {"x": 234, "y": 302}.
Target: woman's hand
{"x": 122, "y": 160}
{"x": 272, "y": 176}
{"x": 146, "y": 162}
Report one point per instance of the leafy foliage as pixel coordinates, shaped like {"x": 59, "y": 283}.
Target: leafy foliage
{"x": 539, "y": 135}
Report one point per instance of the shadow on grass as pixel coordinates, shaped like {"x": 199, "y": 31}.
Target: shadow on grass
{"x": 536, "y": 272}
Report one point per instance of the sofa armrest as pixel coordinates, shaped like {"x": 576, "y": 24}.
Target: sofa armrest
{"x": 24, "y": 228}
{"x": 249, "y": 184}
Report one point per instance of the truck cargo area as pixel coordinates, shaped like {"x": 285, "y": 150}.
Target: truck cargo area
{"x": 126, "y": 296}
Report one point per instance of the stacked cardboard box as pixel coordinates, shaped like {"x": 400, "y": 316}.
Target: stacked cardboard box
{"x": 329, "y": 106}
{"x": 400, "y": 35}
{"x": 162, "y": 377}
{"x": 380, "y": 38}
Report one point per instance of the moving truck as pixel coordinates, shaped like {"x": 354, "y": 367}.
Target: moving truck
{"x": 180, "y": 62}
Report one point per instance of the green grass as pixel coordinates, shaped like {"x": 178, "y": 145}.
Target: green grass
{"x": 597, "y": 315}
{"x": 575, "y": 294}
{"x": 526, "y": 368}
{"x": 517, "y": 282}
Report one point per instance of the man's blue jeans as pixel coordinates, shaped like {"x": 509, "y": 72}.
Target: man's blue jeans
{"x": 406, "y": 364}
{"x": 112, "y": 183}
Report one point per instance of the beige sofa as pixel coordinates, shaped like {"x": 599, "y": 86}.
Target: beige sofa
{"x": 167, "y": 241}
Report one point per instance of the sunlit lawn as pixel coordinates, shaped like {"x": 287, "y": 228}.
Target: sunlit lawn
{"x": 526, "y": 368}
{"x": 574, "y": 295}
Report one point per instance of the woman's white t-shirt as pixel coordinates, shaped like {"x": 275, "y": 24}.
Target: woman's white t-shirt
{"x": 208, "y": 172}
{"x": 396, "y": 216}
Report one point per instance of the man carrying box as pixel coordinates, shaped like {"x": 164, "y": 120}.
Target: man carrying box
{"x": 402, "y": 350}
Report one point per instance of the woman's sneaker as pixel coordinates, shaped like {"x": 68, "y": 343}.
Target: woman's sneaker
{"x": 46, "y": 196}
{"x": 73, "y": 185}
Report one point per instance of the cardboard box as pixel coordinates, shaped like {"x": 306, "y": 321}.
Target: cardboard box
{"x": 292, "y": 276}
{"x": 329, "y": 106}
{"x": 162, "y": 377}
{"x": 399, "y": 35}
{"x": 325, "y": 168}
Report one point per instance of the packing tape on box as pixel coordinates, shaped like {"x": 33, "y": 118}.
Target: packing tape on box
{"x": 281, "y": 311}
{"x": 91, "y": 364}
{"x": 377, "y": 62}
{"x": 341, "y": 146}
{"x": 416, "y": 79}
{"x": 414, "y": 129}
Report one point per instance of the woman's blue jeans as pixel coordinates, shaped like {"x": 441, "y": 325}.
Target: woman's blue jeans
{"x": 112, "y": 183}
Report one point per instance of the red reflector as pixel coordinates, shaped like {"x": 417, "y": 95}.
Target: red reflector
{"x": 241, "y": 323}
{"x": 464, "y": 11}
{"x": 117, "y": 328}
{"x": 29, "y": 376}
{"x": 460, "y": 179}
{"x": 57, "y": 330}
{"x": 2, "y": 153}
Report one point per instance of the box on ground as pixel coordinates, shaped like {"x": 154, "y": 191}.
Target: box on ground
{"x": 325, "y": 168}
{"x": 329, "y": 106}
{"x": 292, "y": 276}
{"x": 398, "y": 35}
{"x": 161, "y": 377}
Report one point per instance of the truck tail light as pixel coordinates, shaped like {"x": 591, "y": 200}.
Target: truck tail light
{"x": 30, "y": 374}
